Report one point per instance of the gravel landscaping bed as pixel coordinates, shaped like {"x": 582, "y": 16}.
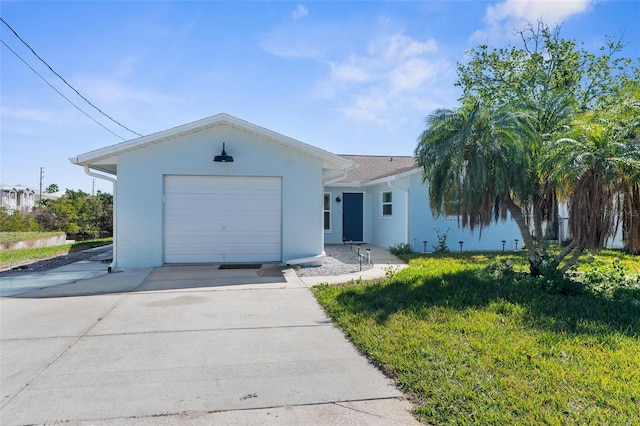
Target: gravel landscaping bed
{"x": 340, "y": 260}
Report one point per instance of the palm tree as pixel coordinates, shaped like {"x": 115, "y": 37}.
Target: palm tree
{"x": 631, "y": 219}
{"x": 482, "y": 163}
{"x": 630, "y": 125}
{"x": 498, "y": 151}
{"x": 476, "y": 164}
{"x": 596, "y": 168}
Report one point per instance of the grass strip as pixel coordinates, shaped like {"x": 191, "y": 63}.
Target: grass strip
{"x": 29, "y": 255}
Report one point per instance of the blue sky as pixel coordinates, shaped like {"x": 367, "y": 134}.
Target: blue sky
{"x": 348, "y": 77}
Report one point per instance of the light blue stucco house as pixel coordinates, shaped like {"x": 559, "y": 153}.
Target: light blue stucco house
{"x": 383, "y": 201}
{"x": 223, "y": 190}
{"x": 179, "y": 199}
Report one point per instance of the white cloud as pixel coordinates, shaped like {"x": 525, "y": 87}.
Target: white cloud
{"x": 411, "y": 74}
{"x": 367, "y": 106}
{"x": 394, "y": 73}
{"x": 104, "y": 91}
{"x": 349, "y": 72}
{"x": 552, "y": 11}
{"x": 23, "y": 121}
{"x": 299, "y": 49}
{"x": 373, "y": 77}
{"x": 298, "y": 43}
{"x": 399, "y": 46}
{"x": 503, "y": 18}
{"x": 300, "y": 12}
{"x": 30, "y": 114}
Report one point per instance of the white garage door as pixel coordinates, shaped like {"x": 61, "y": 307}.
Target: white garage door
{"x": 222, "y": 219}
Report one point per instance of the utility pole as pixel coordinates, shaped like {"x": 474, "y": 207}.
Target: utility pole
{"x": 41, "y": 177}
{"x": 93, "y": 188}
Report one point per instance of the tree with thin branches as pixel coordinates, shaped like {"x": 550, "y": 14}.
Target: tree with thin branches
{"x": 492, "y": 154}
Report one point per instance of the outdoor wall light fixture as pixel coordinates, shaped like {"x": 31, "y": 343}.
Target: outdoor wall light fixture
{"x": 338, "y": 199}
{"x": 223, "y": 157}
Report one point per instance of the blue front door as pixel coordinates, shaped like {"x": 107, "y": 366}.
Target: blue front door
{"x": 352, "y": 217}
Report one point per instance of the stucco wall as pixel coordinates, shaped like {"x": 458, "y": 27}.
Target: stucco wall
{"x": 378, "y": 229}
{"x": 140, "y": 189}
{"x": 389, "y": 230}
{"x": 423, "y": 226}
{"x": 335, "y": 235}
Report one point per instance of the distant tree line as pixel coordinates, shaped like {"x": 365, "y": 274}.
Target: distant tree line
{"x": 79, "y": 214}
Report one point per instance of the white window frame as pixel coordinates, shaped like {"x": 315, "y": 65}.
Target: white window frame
{"x": 325, "y": 211}
{"x": 387, "y": 203}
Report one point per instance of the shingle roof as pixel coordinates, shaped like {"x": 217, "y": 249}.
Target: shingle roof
{"x": 373, "y": 167}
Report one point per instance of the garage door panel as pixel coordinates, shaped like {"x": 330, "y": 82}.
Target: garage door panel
{"x": 248, "y": 240}
{"x": 228, "y": 215}
{"x": 222, "y": 219}
{"x": 227, "y": 185}
{"x": 212, "y": 224}
{"x": 224, "y": 205}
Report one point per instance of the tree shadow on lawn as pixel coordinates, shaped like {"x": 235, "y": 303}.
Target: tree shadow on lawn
{"x": 587, "y": 313}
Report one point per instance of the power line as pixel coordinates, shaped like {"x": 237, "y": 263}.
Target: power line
{"x": 59, "y": 93}
{"x": 61, "y": 78}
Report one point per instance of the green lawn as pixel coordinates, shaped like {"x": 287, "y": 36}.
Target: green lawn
{"x": 472, "y": 349}
{"x": 23, "y": 256}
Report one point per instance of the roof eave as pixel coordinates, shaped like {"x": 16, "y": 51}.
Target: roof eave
{"x": 378, "y": 181}
{"x": 329, "y": 160}
{"x": 392, "y": 177}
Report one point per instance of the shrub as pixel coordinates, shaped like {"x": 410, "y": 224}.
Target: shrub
{"x": 611, "y": 279}
{"x": 442, "y": 246}
{"x": 17, "y": 222}
{"x": 500, "y": 268}
{"x": 400, "y": 249}
{"x": 390, "y": 271}
{"x": 559, "y": 284}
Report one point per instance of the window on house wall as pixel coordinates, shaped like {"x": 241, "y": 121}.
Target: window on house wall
{"x": 387, "y": 203}
{"x": 327, "y": 211}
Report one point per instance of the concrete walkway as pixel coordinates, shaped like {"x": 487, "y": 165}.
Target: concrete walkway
{"x": 185, "y": 345}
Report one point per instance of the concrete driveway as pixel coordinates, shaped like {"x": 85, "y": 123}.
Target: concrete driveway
{"x": 192, "y": 345}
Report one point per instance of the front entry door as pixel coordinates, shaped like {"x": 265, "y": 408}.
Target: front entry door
{"x": 352, "y": 217}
